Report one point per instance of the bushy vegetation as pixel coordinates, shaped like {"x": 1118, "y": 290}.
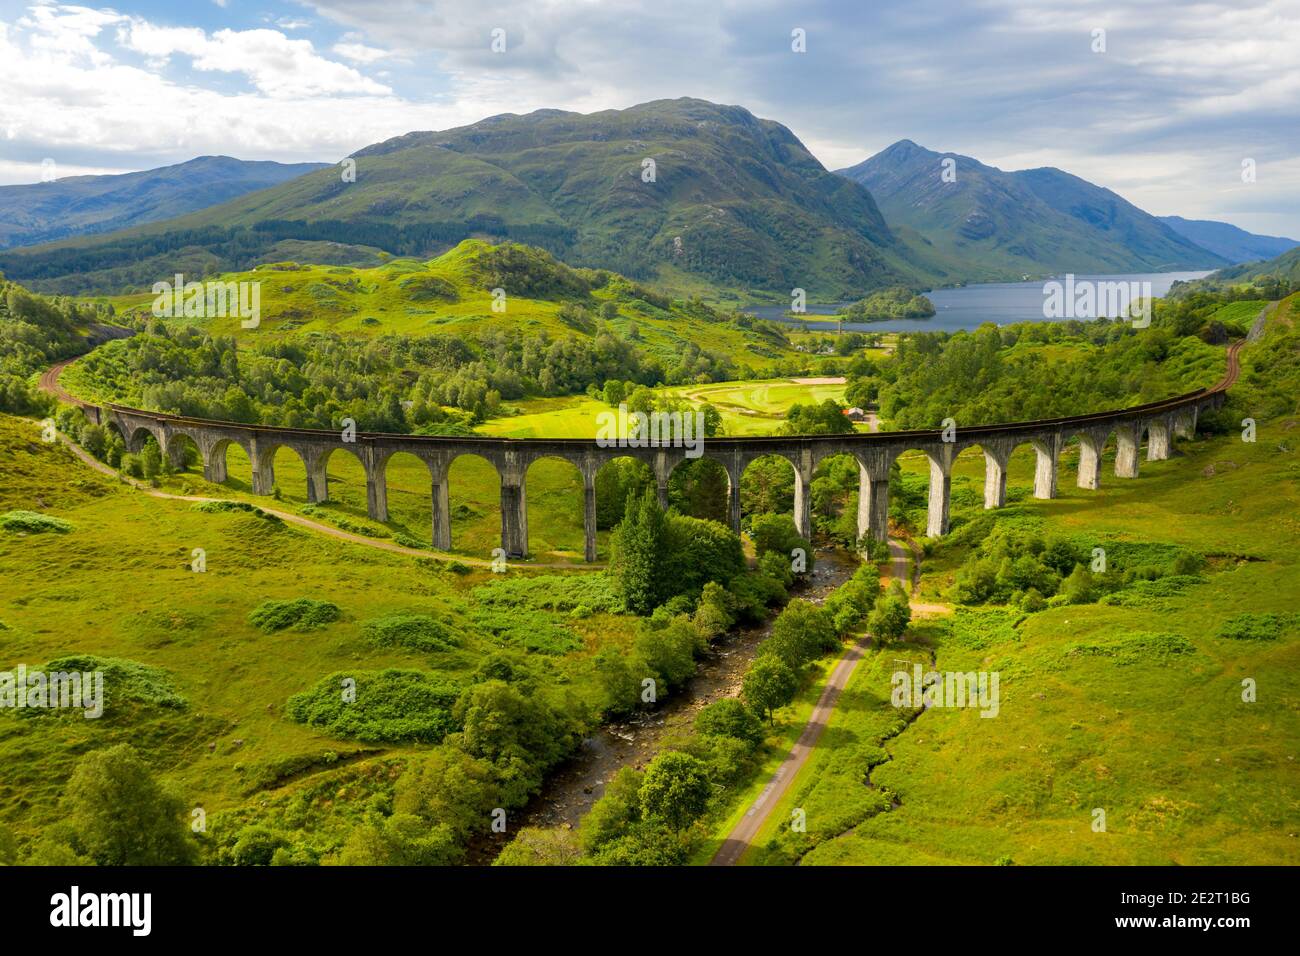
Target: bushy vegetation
{"x": 417, "y": 632}
{"x": 1021, "y": 567}
{"x": 388, "y": 706}
{"x": 33, "y": 522}
{"x": 895, "y": 302}
{"x": 301, "y": 614}
{"x": 656, "y": 556}
{"x": 35, "y": 332}
{"x": 1036, "y": 370}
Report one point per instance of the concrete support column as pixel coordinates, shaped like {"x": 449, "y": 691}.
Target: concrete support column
{"x": 940, "y": 494}
{"x": 376, "y": 495}
{"x": 317, "y": 480}
{"x": 1185, "y": 424}
{"x": 733, "y": 498}
{"x": 175, "y": 451}
{"x": 1158, "y": 440}
{"x": 1090, "y": 462}
{"x": 589, "y": 514}
{"x": 441, "y": 512}
{"x": 663, "y": 470}
{"x": 1126, "y": 454}
{"x": 263, "y": 461}
{"x": 514, "y": 516}
{"x": 873, "y": 505}
{"x": 214, "y": 465}
{"x": 1048, "y": 455}
{"x": 995, "y": 478}
{"x": 803, "y": 501}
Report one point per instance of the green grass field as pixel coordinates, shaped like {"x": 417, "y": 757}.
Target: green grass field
{"x": 119, "y": 584}
{"x": 747, "y": 408}
{"x": 1092, "y": 716}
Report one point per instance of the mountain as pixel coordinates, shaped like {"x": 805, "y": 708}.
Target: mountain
{"x": 83, "y": 205}
{"x": 1033, "y": 221}
{"x": 1226, "y": 240}
{"x": 731, "y": 201}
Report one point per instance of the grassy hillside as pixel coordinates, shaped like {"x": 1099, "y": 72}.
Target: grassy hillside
{"x": 452, "y": 295}
{"x": 734, "y": 200}
{"x": 220, "y": 735}
{"x": 1273, "y": 276}
{"x": 1134, "y": 707}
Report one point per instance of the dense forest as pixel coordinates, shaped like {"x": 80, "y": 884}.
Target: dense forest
{"x": 1044, "y": 369}
{"x": 35, "y": 332}
{"x": 394, "y": 383}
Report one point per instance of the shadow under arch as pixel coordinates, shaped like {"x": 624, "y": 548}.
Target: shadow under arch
{"x": 767, "y": 485}
{"x": 407, "y": 479}
{"x": 183, "y": 452}
{"x": 700, "y": 488}
{"x": 615, "y": 480}
{"x": 555, "y": 494}
{"x": 228, "y": 463}
{"x": 473, "y": 505}
{"x": 331, "y": 479}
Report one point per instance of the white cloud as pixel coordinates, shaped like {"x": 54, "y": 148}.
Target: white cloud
{"x": 1177, "y": 99}
{"x": 276, "y": 64}
{"x": 360, "y": 53}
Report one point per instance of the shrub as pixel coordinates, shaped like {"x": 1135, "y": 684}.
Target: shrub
{"x": 675, "y": 790}
{"x": 234, "y": 507}
{"x": 124, "y": 680}
{"x": 302, "y": 614}
{"x": 729, "y": 717}
{"x": 390, "y": 706}
{"x": 120, "y": 816}
{"x": 1257, "y": 627}
{"x": 418, "y": 632}
{"x": 776, "y": 534}
{"x": 33, "y": 522}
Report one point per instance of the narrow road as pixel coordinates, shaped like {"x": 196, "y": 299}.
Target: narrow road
{"x": 741, "y": 837}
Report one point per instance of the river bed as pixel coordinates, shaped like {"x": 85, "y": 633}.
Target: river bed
{"x": 571, "y": 789}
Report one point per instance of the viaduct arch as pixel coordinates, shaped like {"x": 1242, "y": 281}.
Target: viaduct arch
{"x": 874, "y": 452}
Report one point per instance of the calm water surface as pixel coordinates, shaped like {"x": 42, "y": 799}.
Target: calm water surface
{"x": 971, "y": 306}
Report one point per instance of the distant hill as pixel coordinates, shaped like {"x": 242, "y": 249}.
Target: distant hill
{"x": 84, "y": 205}
{"x": 1034, "y": 221}
{"x": 735, "y": 202}
{"x": 1276, "y": 276}
{"x": 1226, "y": 240}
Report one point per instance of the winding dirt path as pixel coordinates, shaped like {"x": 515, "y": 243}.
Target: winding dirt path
{"x": 329, "y": 530}
{"x": 741, "y": 837}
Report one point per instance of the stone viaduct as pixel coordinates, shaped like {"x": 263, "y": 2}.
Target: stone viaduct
{"x": 1157, "y": 422}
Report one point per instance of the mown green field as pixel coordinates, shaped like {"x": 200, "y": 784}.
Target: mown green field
{"x": 747, "y": 408}
{"x": 1135, "y": 710}
{"x": 119, "y": 584}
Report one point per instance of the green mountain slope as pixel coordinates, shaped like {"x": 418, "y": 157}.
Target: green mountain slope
{"x": 82, "y": 205}
{"x": 1226, "y": 240}
{"x": 1035, "y": 221}
{"x": 736, "y": 201}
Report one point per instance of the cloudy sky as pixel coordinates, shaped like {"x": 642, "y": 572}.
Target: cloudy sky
{"x": 1164, "y": 106}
